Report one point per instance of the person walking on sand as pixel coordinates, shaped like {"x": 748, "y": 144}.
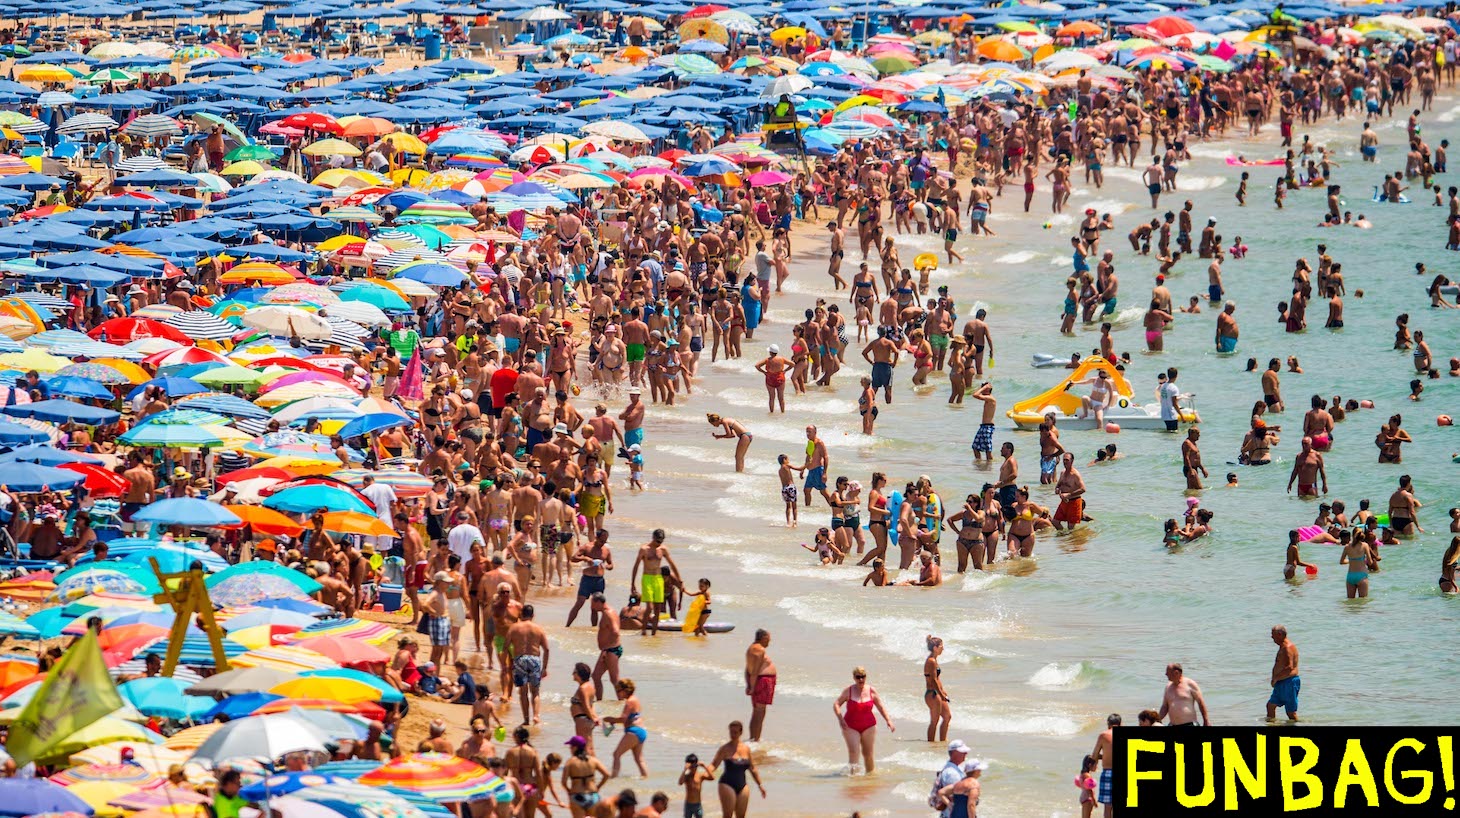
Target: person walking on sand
{"x": 733, "y": 429}
{"x": 1183, "y": 700}
{"x": 859, "y": 722}
{"x": 1285, "y": 680}
{"x": 760, "y": 681}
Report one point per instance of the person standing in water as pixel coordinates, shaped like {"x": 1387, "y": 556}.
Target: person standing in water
{"x": 859, "y": 722}
{"x": 760, "y": 681}
{"x": 733, "y": 429}
{"x": 1285, "y": 680}
{"x": 940, "y": 711}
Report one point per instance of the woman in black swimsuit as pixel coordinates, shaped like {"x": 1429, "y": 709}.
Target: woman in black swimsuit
{"x": 734, "y": 793}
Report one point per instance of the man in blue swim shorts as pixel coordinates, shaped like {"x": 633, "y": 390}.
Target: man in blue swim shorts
{"x": 1285, "y": 680}
{"x": 815, "y": 465}
{"x": 1227, "y": 328}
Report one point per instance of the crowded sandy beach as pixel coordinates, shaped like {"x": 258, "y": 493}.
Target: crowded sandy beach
{"x": 614, "y": 410}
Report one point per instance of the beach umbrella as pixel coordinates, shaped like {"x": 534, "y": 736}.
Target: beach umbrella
{"x": 163, "y": 696}
{"x": 201, "y": 325}
{"x": 430, "y": 273}
{"x": 310, "y": 498}
{"x": 267, "y": 617}
{"x": 153, "y": 125}
{"x": 301, "y": 583}
{"x": 34, "y": 796}
{"x": 32, "y": 477}
{"x": 265, "y": 738}
{"x": 438, "y": 776}
{"x": 132, "y": 328}
{"x": 241, "y": 680}
{"x": 366, "y": 524}
{"x": 331, "y": 147}
{"x": 281, "y": 784}
{"x": 344, "y": 651}
{"x": 86, "y": 123}
{"x": 287, "y": 322}
{"x": 179, "y": 435}
{"x": 186, "y": 511}
{"x": 45, "y": 73}
{"x": 118, "y": 773}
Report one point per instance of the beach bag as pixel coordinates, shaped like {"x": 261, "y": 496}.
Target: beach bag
{"x": 936, "y": 801}
{"x": 424, "y": 626}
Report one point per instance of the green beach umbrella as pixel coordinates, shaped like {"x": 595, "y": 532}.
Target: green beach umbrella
{"x": 256, "y": 153}
{"x": 110, "y": 75}
{"x": 230, "y": 376}
{"x": 893, "y": 64}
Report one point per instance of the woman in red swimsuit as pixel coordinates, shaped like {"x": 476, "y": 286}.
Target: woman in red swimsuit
{"x": 859, "y": 722}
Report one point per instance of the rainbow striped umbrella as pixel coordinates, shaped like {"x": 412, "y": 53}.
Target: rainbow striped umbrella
{"x": 474, "y": 160}
{"x": 437, "y": 776}
{"x": 355, "y": 801}
{"x": 112, "y": 773}
{"x": 407, "y": 484}
{"x": 375, "y": 633}
{"x": 432, "y": 211}
{"x": 284, "y": 657}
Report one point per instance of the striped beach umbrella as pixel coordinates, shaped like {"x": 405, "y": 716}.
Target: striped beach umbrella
{"x": 193, "y": 53}
{"x": 432, "y": 211}
{"x": 85, "y": 123}
{"x": 407, "y": 484}
{"x": 115, "y": 75}
{"x": 153, "y": 125}
{"x": 284, "y": 657}
{"x": 112, "y": 773}
{"x": 139, "y": 164}
{"x": 438, "y": 776}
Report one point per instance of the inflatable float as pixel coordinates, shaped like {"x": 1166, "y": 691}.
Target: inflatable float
{"x": 1237, "y": 162}
{"x": 1385, "y": 199}
{"x": 1065, "y": 404}
{"x": 1043, "y": 360}
{"x": 925, "y": 261}
{"x": 692, "y": 616}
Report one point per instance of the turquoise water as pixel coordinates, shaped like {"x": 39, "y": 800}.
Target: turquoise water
{"x": 1039, "y": 655}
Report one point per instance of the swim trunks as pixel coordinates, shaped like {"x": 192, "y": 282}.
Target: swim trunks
{"x": 1070, "y": 512}
{"x": 527, "y": 671}
{"x": 938, "y": 341}
{"x": 1109, "y": 307}
{"x": 1107, "y": 782}
{"x": 1047, "y": 465}
{"x": 1154, "y": 189}
{"x": 881, "y": 374}
{"x": 651, "y": 588}
{"x": 983, "y": 440}
{"x": 634, "y": 436}
{"x": 764, "y": 692}
{"x": 636, "y": 352}
{"x": 590, "y": 585}
{"x": 788, "y": 493}
{"x": 1285, "y": 694}
{"x": 1226, "y": 344}
{"x": 816, "y": 478}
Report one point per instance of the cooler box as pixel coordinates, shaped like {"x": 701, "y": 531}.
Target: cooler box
{"x": 390, "y": 597}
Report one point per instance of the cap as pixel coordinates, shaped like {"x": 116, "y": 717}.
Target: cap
{"x": 957, "y": 746}
{"x": 636, "y": 448}
{"x": 560, "y": 429}
{"x": 611, "y": 329}
{"x": 576, "y": 741}
{"x": 439, "y": 353}
{"x": 634, "y": 390}
{"x": 773, "y": 349}
{"x": 266, "y": 545}
{"x": 975, "y": 765}
{"x": 1089, "y": 211}
{"x": 466, "y": 394}
{"x": 441, "y": 576}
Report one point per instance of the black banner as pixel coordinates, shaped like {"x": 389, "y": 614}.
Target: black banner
{"x": 1314, "y": 771}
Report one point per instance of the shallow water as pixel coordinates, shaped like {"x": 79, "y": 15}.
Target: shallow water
{"x": 1036, "y": 657}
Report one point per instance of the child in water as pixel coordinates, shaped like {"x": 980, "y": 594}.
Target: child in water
{"x": 788, "y": 489}
{"x": 635, "y": 456}
{"x": 824, "y": 549}
{"x": 1086, "y": 784}
{"x": 704, "y": 591}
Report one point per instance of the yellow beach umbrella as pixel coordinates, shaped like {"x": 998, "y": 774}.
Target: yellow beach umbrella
{"x": 331, "y": 147}
{"x": 406, "y": 143}
{"x": 192, "y": 737}
{"x": 265, "y": 271}
{"x": 45, "y": 73}
{"x": 100, "y": 793}
{"x": 348, "y": 177}
{"x": 37, "y": 359}
{"x": 302, "y": 466}
{"x": 785, "y": 33}
{"x": 408, "y": 177}
{"x": 247, "y": 167}
{"x": 334, "y": 243}
{"x": 131, "y": 371}
{"x": 859, "y": 99}
{"x": 347, "y": 691}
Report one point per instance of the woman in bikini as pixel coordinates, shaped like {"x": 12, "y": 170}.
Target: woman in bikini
{"x": 922, "y": 353}
{"x": 634, "y": 734}
{"x": 579, "y": 775}
{"x": 595, "y": 496}
{"x": 968, "y": 522}
{"x": 522, "y": 764}
{"x": 800, "y": 359}
{"x": 733, "y": 429}
{"x": 733, "y": 789}
{"x": 580, "y": 706}
{"x": 1359, "y": 558}
{"x": 940, "y": 711}
{"x": 1447, "y": 567}
{"x": 1021, "y": 528}
{"x": 859, "y": 722}
{"x": 877, "y": 519}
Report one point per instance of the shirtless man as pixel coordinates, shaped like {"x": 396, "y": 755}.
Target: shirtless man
{"x": 1227, "y": 328}
{"x": 1183, "y": 700}
{"x": 1191, "y": 465}
{"x": 1103, "y": 753}
{"x": 607, "y": 433}
{"x": 1308, "y": 471}
{"x": 976, "y": 334}
{"x": 636, "y": 343}
{"x": 760, "y": 681}
{"x": 141, "y": 490}
{"x": 528, "y": 644}
{"x": 882, "y": 354}
{"x": 1071, "y": 491}
{"x": 1272, "y": 393}
{"x": 983, "y": 439}
{"x": 1285, "y": 680}
{"x": 651, "y": 555}
{"x": 816, "y": 465}
{"x": 596, "y": 559}
{"x": 610, "y": 645}
{"x": 633, "y": 419}
{"x": 837, "y": 252}
{"x": 505, "y": 612}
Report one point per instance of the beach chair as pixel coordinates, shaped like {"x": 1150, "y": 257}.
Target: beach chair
{"x": 66, "y": 151}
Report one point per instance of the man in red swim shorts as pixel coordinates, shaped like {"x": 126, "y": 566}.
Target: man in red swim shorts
{"x": 760, "y": 681}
